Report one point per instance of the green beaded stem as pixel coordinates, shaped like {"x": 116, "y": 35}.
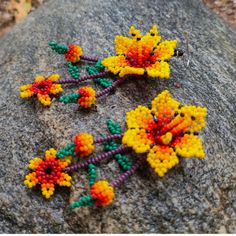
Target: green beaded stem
{"x": 98, "y": 68}
{"x": 73, "y": 70}
{"x": 83, "y": 201}
{"x": 67, "y": 151}
{"x": 92, "y": 174}
{"x": 72, "y": 98}
{"x": 122, "y": 160}
{"x": 59, "y": 48}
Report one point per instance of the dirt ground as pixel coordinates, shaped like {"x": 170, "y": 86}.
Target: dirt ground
{"x": 225, "y": 8}
{"x": 12, "y": 11}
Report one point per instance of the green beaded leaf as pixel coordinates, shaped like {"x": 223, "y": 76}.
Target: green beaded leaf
{"x": 110, "y": 145}
{"x": 67, "y": 151}
{"x": 98, "y": 68}
{"x": 113, "y": 127}
{"x": 92, "y": 174}
{"x": 83, "y": 201}
{"x": 73, "y": 70}
{"x": 72, "y": 98}
{"x": 124, "y": 162}
{"x": 59, "y": 48}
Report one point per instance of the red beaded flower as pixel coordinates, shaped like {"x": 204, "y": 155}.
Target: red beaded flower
{"x": 42, "y": 87}
{"x": 48, "y": 172}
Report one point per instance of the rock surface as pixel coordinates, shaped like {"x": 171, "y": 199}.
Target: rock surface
{"x": 198, "y": 196}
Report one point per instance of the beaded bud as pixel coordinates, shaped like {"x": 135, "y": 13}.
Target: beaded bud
{"x": 87, "y": 96}
{"x": 102, "y": 193}
{"x": 74, "y": 53}
{"x": 84, "y": 144}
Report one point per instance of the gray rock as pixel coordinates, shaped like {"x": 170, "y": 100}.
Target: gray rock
{"x": 198, "y": 196}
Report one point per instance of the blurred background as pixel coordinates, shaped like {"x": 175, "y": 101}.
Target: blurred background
{"x": 12, "y": 11}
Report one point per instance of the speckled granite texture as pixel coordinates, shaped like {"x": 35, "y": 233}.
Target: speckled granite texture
{"x": 198, "y": 196}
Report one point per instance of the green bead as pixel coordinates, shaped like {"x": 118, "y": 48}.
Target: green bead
{"x": 99, "y": 66}
{"x": 59, "y": 48}
{"x": 72, "y": 98}
{"x": 113, "y": 127}
{"x": 73, "y": 70}
{"x": 67, "y": 151}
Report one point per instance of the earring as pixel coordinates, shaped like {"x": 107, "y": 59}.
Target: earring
{"x": 137, "y": 56}
{"x": 159, "y": 136}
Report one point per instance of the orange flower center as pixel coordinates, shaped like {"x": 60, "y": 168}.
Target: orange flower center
{"x": 164, "y": 131}
{"x": 141, "y": 56}
{"x": 42, "y": 87}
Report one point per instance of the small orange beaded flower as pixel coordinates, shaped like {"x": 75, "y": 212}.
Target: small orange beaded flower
{"x": 48, "y": 172}
{"x": 42, "y": 87}
{"x": 141, "y": 54}
{"x": 74, "y": 53}
{"x": 84, "y": 144}
{"x": 165, "y": 131}
{"x": 102, "y": 193}
{"x": 87, "y": 96}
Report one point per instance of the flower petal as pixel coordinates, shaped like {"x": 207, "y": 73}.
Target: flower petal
{"x": 26, "y": 94}
{"x": 165, "y": 105}
{"x": 194, "y": 116}
{"x": 151, "y": 38}
{"x": 50, "y": 154}
{"x": 44, "y": 99}
{"x": 54, "y": 77}
{"x": 165, "y": 50}
{"x": 114, "y": 63}
{"x": 25, "y": 87}
{"x": 31, "y": 180}
{"x": 122, "y": 44}
{"x": 39, "y": 78}
{"x": 140, "y": 117}
{"x": 128, "y": 70}
{"x": 137, "y": 139}
{"x": 160, "y": 69}
{"x": 47, "y": 190}
{"x": 64, "y": 162}
{"x": 34, "y": 163}
{"x": 56, "y": 88}
{"x": 65, "y": 180}
{"x": 162, "y": 159}
{"x": 189, "y": 146}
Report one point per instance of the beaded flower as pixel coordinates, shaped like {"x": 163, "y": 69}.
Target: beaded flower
{"x": 165, "y": 131}
{"x": 141, "y": 55}
{"x": 138, "y": 55}
{"x": 48, "y": 172}
{"x": 42, "y": 88}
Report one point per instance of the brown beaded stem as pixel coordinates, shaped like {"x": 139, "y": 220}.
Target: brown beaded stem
{"x": 108, "y": 138}
{"x": 97, "y": 159}
{"x": 87, "y": 77}
{"x": 113, "y": 86}
{"x": 123, "y": 177}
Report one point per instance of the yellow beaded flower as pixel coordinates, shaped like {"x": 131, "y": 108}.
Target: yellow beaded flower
{"x": 141, "y": 54}
{"x": 165, "y": 131}
{"x": 42, "y": 87}
{"x": 48, "y": 172}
